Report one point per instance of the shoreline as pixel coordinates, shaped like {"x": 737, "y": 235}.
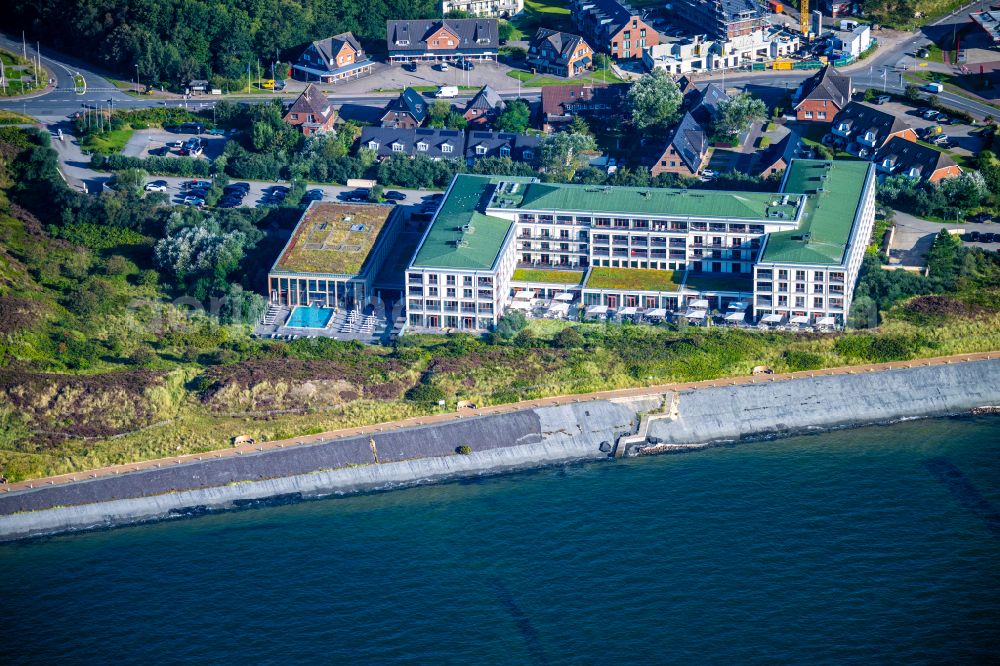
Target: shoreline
{"x": 673, "y": 421}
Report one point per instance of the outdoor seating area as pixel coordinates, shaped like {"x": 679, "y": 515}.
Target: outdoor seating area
{"x": 369, "y": 325}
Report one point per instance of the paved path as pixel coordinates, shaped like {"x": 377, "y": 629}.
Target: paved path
{"x": 498, "y": 409}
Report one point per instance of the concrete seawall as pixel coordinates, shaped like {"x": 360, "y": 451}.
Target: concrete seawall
{"x": 500, "y": 442}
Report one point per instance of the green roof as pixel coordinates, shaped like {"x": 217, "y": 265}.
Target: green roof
{"x": 549, "y": 276}
{"x": 646, "y": 201}
{"x": 637, "y": 279}
{"x": 333, "y": 239}
{"x": 828, "y": 218}
{"x": 461, "y": 237}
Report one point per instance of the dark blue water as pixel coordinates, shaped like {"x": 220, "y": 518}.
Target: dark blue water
{"x": 872, "y": 545}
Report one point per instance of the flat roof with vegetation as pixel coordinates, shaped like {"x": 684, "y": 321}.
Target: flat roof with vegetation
{"x": 553, "y": 277}
{"x": 333, "y": 239}
{"x": 662, "y": 202}
{"x": 634, "y": 279}
{"x": 461, "y": 237}
{"x": 828, "y": 218}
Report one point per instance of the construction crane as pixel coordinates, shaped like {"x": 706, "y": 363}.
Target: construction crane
{"x": 804, "y": 17}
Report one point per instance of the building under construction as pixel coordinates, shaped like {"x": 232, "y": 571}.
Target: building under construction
{"x": 723, "y": 19}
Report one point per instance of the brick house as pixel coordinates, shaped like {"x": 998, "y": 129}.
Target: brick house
{"x": 822, "y": 96}
{"x": 862, "y": 130}
{"x": 331, "y": 60}
{"x": 409, "y": 110}
{"x": 685, "y": 151}
{"x": 902, "y": 157}
{"x": 484, "y": 107}
{"x": 593, "y": 101}
{"x": 613, "y": 27}
{"x": 559, "y": 53}
{"x": 311, "y": 112}
{"x": 440, "y": 40}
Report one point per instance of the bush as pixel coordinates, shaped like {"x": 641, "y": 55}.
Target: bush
{"x": 867, "y": 348}
{"x": 568, "y": 338}
{"x": 426, "y": 393}
{"x": 464, "y": 450}
{"x": 802, "y": 360}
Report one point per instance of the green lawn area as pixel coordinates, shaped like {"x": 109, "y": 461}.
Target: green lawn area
{"x": 964, "y": 161}
{"x": 543, "y": 13}
{"x": 637, "y": 279}
{"x": 537, "y": 80}
{"x": 14, "y": 118}
{"x": 710, "y": 282}
{"x": 556, "y": 277}
{"x": 109, "y": 142}
{"x": 13, "y": 64}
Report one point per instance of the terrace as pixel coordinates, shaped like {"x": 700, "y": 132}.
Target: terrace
{"x": 333, "y": 239}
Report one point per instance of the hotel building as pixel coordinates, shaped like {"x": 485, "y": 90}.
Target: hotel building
{"x": 644, "y": 248}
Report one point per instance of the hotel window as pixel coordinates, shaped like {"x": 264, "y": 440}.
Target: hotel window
{"x": 466, "y": 293}
{"x": 432, "y": 278}
{"x": 449, "y": 279}
{"x": 467, "y": 280}
{"x": 800, "y": 301}
{"x": 817, "y": 302}
{"x": 450, "y": 292}
{"x": 432, "y": 291}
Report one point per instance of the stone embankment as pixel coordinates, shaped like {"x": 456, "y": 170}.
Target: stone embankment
{"x": 627, "y": 423}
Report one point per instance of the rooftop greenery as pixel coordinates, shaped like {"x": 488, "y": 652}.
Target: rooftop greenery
{"x": 553, "y": 276}
{"x": 634, "y": 279}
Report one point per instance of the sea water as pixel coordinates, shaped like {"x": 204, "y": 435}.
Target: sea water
{"x": 871, "y": 545}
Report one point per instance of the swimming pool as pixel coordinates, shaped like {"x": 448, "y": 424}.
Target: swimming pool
{"x": 309, "y": 317}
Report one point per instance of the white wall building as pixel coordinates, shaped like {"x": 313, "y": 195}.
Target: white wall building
{"x": 698, "y": 53}
{"x": 488, "y": 8}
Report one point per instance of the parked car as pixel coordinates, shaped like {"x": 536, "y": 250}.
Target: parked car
{"x": 410, "y": 66}
{"x": 443, "y": 67}
{"x": 239, "y": 186}
{"x": 929, "y": 114}
{"x": 466, "y": 65}
{"x": 160, "y": 152}
{"x": 156, "y": 186}
{"x": 191, "y": 128}
{"x": 979, "y": 218}
{"x": 313, "y": 195}
{"x": 393, "y": 195}
{"x": 193, "y": 201}
{"x": 216, "y": 132}
{"x": 355, "y": 196}
{"x": 708, "y": 173}
{"x": 991, "y": 238}
{"x": 975, "y": 236}
{"x": 940, "y": 140}
{"x": 883, "y": 99}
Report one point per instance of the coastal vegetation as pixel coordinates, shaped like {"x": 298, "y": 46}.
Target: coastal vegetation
{"x": 125, "y": 333}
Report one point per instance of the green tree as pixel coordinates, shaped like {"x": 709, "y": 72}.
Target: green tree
{"x": 515, "y": 117}
{"x": 437, "y": 113}
{"x": 130, "y": 181}
{"x": 653, "y": 101}
{"x": 456, "y": 120}
{"x": 561, "y": 153}
{"x": 737, "y": 114}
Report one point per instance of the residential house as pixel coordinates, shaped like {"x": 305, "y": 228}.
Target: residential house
{"x": 853, "y": 42}
{"x": 433, "y": 143}
{"x": 989, "y": 21}
{"x": 913, "y": 160}
{"x": 823, "y": 95}
{"x": 559, "y": 53}
{"x": 685, "y": 151}
{"x": 862, "y": 130}
{"x": 613, "y": 27}
{"x": 701, "y": 53}
{"x": 438, "y": 40}
{"x": 407, "y": 110}
{"x": 484, "y": 107}
{"x": 311, "y": 112}
{"x": 704, "y": 105}
{"x": 518, "y": 147}
{"x": 600, "y": 102}
{"x": 487, "y": 8}
{"x": 776, "y": 157}
{"x": 197, "y": 86}
{"x": 332, "y": 60}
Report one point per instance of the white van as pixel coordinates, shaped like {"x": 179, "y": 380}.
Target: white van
{"x": 934, "y": 87}
{"x": 447, "y": 91}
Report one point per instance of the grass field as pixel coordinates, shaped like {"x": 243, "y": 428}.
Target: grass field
{"x": 638, "y": 279}
{"x": 543, "y": 14}
{"x": 17, "y": 71}
{"x": 109, "y": 142}
{"x": 555, "y": 277}
{"x": 537, "y": 80}
{"x": 14, "y": 118}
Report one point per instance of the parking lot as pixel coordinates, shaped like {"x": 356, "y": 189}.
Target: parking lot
{"x": 961, "y": 141}
{"x": 393, "y": 77}
{"x": 145, "y": 143}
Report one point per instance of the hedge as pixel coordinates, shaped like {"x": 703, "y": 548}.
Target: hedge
{"x": 161, "y": 166}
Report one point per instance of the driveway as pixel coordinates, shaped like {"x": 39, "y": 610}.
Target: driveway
{"x": 913, "y": 239}
{"x": 143, "y": 141}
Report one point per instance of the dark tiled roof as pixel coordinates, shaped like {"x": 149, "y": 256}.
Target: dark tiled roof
{"x": 489, "y": 144}
{"x": 474, "y": 33}
{"x": 564, "y": 44}
{"x": 411, "y": 102}
{"x": 422, "y": 141}
{"x": 690, "y": 141}
{"x": 783, "y": 151}
{"x": 829, "y": 84}
{"x": 860, "y": 118}
{"x": 486, "y": 99}
{"x": 617, "y": 14}
{"x": 559, "y": 100}
{"x": 706, "y": 104}
{"x": 329, "y": 48}
{"x": 911, "y": 159}
{"x": 313, "y": 101}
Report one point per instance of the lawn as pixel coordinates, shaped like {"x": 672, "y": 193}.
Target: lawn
{"x": 555, "y": 277}
{"x": 637, "y": 279}
{"x": 108, "y": 142}
{"x": 14, "y": 118}
{"x": 16, "y": 68}
{"x": 543, "y": 13}
{"x": 537, "y": 80}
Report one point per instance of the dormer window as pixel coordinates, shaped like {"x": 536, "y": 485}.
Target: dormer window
{"x": 869, "y": 136}
{"x": 480, "y": 150}
{"x": 914, "y": 172}
{"x": 402, "y": 42}
{"x": 397, "y": 147}
{"x": 446, "y": 148}
{"x": 373, "y": 145}
{"x": 528, "y": 154}
{"x": 504, "y": 151}
{"x": 421, "y": 146}
{"x": 887, "y": 163}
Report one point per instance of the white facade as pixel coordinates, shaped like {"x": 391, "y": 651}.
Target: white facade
{"x": 817, "y": 290}
{"x": 854, "y": 42}
{"x": 487, "y": 8}
{"x": 701, "y": 54}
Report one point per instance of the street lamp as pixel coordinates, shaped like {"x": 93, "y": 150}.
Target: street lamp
{"x": 138, "y": 85}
